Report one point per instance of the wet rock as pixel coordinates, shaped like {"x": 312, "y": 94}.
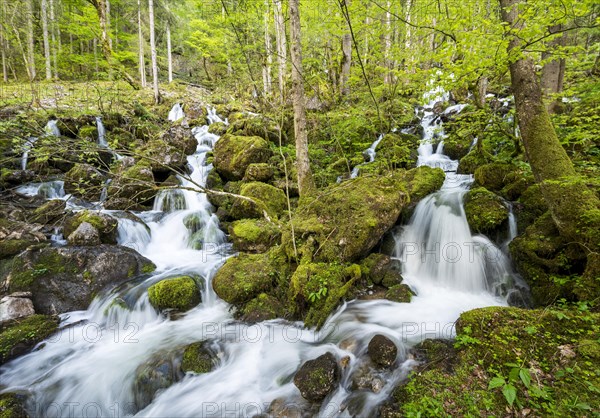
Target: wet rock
{"x": 485, "y": 211}
{"x": 163, "y": 157}
{"x": 21, "y": 335}
{"x": 16, "y": 236}
{"x": 382, "y": 351}
{"x": 84, "y": 181}
{"x": 178, "y": 293}
{"x": 63, "y": 279}
{"x": 135, "y": 183}
{"x": 17, "y": 177}
{"x": 217, "y": 128}
{"x": 317, "y": 378}
{"x": 262, "y": 308}
{"x": 198, "y": 358}
{"x": 265, "y": 199}
{"x": 181, "y": 138}
{"x": 233, "y": 154}
{"x": 106, "y": 225}
{"x": 365, "y": 378}
{"x": 281, "y": 408}
{"x": 253, "y": 235}
{"x": 84, "y": 235}
{"x": 158, "y": 373}
{"x": 11, "y": 406}
{"x": 50, "y": 212}
{"x": 16, "y": 305}
{"x": 375, "y": 266}
{"x": 474, "y": 159}
{"x": 400, "y": 293}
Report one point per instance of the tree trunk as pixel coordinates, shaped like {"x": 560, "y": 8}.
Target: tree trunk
{"x": 3, "y": 43}
{"x": 267, "y": 79}
{"x": 346, "y": 59}
{"x": 387, "y": 45}
{"x": 281, "y": 43}
{"x": 169, "y": 55}
{"x": 153, "y": 53}
{"x": 53, "y": 29}
{"x": 107, "y": 26}
{"x": 306, "y": 184}
{"x": 553, "y": 71}
{"x": 46, "y": 38}
{"x": 30, "y": 41}
{"x": 572, "y": 205}
{"x": 481, "y": 91}
{"x": 141, "y": 59}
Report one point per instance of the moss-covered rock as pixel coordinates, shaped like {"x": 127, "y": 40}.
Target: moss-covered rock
{"x": 263, "y": 308}
{"x": 135, "y": 183}
{"x": 156, "y": 374}
{"x": 317, "y": 378}
{"x": 316, "y": 289}
{"x": 50, "y": 212}
{"x": 177, "y": 293}
{"x": 162, "y": 157}
{"x": 19, "y": 336}
{"x": 494, "y": 176}
{"x": 533, "y": 206}
{"x": 11, "y": 406}
{"x": 382, "y": 351}
{"x": 400, "y": 293}
{"x": 474, "y": 159}
{"x": 217, "y": 128}
{"x": 233, "y": 154}
{"x": 16, "y": 236}
{"x": 106, "y": 225}
{"x": 259, "y": 172}
{"x": 88, "y": 133}
{"x": 375, "y": 266}
{"x": 253, "y": 235}
{"x": 63, "y": 279}
{"x": 421, "y": 182}
{"x": 345, "y": 221}
{"x": 485, "y": 211}
{"x": 265, "y": 199}
{"x": 245, "y": 276}
{"x": 398, "y": 150}
{"x": 84, "y": 181}
{"x": 254, "y": 125}
{"x": 537, "y": 352}
{"x": 198, "y": 358}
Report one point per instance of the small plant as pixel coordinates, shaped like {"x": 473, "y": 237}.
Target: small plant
{"x": 509, "y": 383}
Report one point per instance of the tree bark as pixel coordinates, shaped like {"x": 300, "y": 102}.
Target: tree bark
{"x": 267, "y": 79}
{"x": 553, "y": 71}
{"x": 306, "y": 184}
{"x": 54, "y": 46}
{"x": 141, "y": 59}
{"x": 281, "y": 43}
{"x": 3, "y": 43}
{"x": 387, "y": 45}
{"x": 46, "y": 39}
{"x": 30, "y": 41}
{"x": 572, "y": 205}
{"x": 346, "y": 60}
{"x": 107, "y": 26}
{"x": 169, "y": 55}
{"x": 157, "y": 97}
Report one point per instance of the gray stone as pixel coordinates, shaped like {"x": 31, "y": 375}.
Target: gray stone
{"x": 13, "y": 307}
{"x": 85, "y": 235}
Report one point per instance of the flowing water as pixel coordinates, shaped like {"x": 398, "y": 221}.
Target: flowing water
{"x": 101, "y": 133}
{"x": 91, "y": 366}
{"x": 370, "y": 152}
{"x": 176, "y": 113}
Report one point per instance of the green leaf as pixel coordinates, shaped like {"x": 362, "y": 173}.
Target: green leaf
{"x": 525, "y": 377}
{"x": 496, "y": 382}
{"x": 510, "y": 393}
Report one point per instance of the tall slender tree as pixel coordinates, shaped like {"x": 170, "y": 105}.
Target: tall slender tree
{"x": 30, "y": 41}
{"x": 46, "y": 38}
{"x": 141, "y": 58}
{"x": 157, "y": 97}
{"x": 281, "y": 42}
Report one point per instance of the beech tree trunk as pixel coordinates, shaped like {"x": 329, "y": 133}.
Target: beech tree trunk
{"x": 169, "y": 55}
{"x": 153, "y": 52}
{"x": 46, "y": 39}
{"x": 267, "y": 79}
{"x": 30, "y": 41}
{"x": 141, "y": 59}
{"x": 3, "y": 45}
{"x": 306, "y": 184}
{"x": 387, "y": 44}
{"x": 553, "y": 71}
{"x": 53, "y": 36}
{"x": 572, "y": 205}
{"x": 281, "y": 44}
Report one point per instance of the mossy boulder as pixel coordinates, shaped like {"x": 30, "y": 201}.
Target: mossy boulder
{"x": 16, "y": 236}
{"x": 253, "y": 235}
{"x": 11, "y": 406}
{"x": 162, "y": 157}
{"x": 254, "y": 125}
{"x": 317, "y": 378}
{"x": 485, "y": 210}
{"x": 259, "y": 172}
{"x": 495, "y": 176}
{"x": 135, "y": 183}
{"x": 84, "y": 181}
{"x": 538, "y": 352}
{"x": 382, "y": 351}
{"x": 154, "y": 375}
{"x": 217, "y": 128}
{"x": 400, "y": 293}
{"x": 398, "y": 150}
{"x": 265, "y": 199}
{"x": 106, "y": 225}
{"x": 233, "y": 154}
{"x": 50, "y": 212}
{"x": 198, "y": 358}
{"x": 19, "y": 336}
{"x": 88, "y": 133}
{"x": 181, "y": 138}
{"x": 474, "y": 159}
{"x": 421, "y": 182}
{"x": 533, "y": 205}
{"x": 263, "y": 308}
{"x": 178, "y": 293}
{"x": 246, "y": 276}
{"x": 316, "y": 289}
{"x": 375, "y": 266}
{"x": 63, "y": 279}
{"x": 345, "y": 221}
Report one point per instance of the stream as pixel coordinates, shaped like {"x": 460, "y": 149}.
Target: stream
{"x": 90, "y": 367}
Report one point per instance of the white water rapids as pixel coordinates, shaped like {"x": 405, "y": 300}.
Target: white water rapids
{"x": 89, "y": 367}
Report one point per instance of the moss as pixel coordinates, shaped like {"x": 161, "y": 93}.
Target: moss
{"x": 89, "y": 133}
{"x": 178, "y": 293}
{"x": 259, "y": 172}
{"x": 84, "y": 181}
{"x": 197, "y": 358}
{"x": 250, "y": 125}
{"x": 400, "y": 293}
{"x": 345, "y": 221}
{"x": 217, "y": 128}
{"x": 263, "y": 308}
{"x": 148, "y": 268}
{"x": 21, "y": 335}
{"x": 106, "y": 225}
{"x": 12, "y": 247}
{"x": 253, "y": 235}
{"x": 398, "y": 150}
{"x": 534, "y": 206}
{"x": 485, "y": 211}
{"x": 11, "y": 406}
{"x": 496, "y": 342}
{"x": 136, "y": 183}
{"x": 316, "y": 289}
{"x": 266, "y": 198}
{"x": 494, "y": 176}
{"x": 245, "y": 276}
{"x": 233, "y": 154}
{"x": 474, "y": 159}
{"x": 49, "y": 212}
{"x": 24, "y": 277}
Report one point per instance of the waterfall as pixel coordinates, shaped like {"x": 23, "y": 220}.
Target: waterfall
{"x": 52, "y": 128}
{"x": 176, "y": 113}
{"x": 91, "y": 362}
{"x": 101, "y": 133}
{"x": 370, "y": 152}
{"x": 26, "y": 148}
{"x": 49, "y": 190}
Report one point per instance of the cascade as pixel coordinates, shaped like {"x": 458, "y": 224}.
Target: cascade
{"x": 176, "y": 113}
{"x": 101, "y": 133}
{"x": 26, "y": 148}
{"x": 94, "y": 359}
{"x": 370, "y": 152}
{"x": 52, "y": 128}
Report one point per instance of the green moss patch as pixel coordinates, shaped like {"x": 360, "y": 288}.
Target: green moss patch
{"x": 178, "y": 293}
{"x": 485, "y": 211}
{"x": 21, "y": 335}
{"x": 253, "y": 235}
